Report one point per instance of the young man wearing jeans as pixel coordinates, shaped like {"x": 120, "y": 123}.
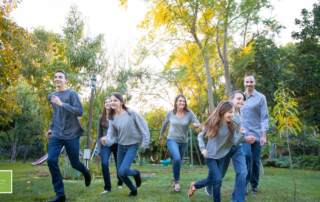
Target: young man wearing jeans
{"x": 65, "y": 130}
{"x": 255, "y": 121}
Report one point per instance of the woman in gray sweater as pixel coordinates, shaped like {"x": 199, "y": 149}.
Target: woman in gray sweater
{"x": 104, "y": 152}
{"x": 180, "y": 118}
{"x": 128, "y": 129}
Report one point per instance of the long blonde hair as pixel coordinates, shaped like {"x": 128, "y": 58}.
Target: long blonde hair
{"x": 214, "y": 121}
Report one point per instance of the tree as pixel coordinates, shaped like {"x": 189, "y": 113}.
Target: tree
{"x": 269, "y": 67}
{"x": 28, "y": 126}
{"x": 18, "y": 56}
{"x": 306, "y": 66}
{"x": 177, "y": 23}
{"x": 286, "y": 119}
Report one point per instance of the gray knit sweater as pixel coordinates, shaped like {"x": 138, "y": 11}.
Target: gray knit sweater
{"x": 128, "y": 129}
{"x": 220, "y": 145}
{"x": 238, "y": 119}
{"x": 178, "y": 130}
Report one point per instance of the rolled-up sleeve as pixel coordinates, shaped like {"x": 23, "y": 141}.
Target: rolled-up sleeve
{"x": 264, "y": 115}
{"x": 201, "y": 139}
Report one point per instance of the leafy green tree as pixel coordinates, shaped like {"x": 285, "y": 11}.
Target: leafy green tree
{"x": 28, "y": 126}
{"x": 307, "y": 66}
{"x": 268, "y": 66}
{"x": 19, "y": 56}
{"x": 286, "y": 119}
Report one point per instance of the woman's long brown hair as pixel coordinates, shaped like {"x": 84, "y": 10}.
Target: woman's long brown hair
{"x": 112, "y": 112}
{"x": 175, "y": 109}
{"x": 103, "y": 119}
{"x": 214, "y": 121}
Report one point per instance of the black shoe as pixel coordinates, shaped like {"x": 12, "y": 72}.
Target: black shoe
{"x": 87, "y": 178}
{"x": 58, "y": 199}
{"x": 247, "y": 189}
{"x": 137, "y": 178}
{"x": 254, "y": 190}
{"x": 133, "y": 193}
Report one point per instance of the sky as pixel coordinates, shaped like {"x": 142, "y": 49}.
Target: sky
{"x": 106, "y": 17}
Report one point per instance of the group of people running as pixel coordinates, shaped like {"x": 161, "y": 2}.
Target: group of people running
{"x": 236, "y": 129}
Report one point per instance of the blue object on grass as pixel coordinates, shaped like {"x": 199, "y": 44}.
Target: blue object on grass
{"x": 95, "y": 152}
{"x": 166, "y": 162}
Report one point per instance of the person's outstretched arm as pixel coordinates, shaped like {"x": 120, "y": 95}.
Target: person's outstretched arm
{"x": 111, "y": 134}
{"x": 99, "y": 135}
{"x": 164, "y": 126}
{"x": 238, "y": 137}
{"x": 264, "y": 120}
{"x": 202, "y": 145}
{"x": 143, "y": 128}
{"x": 194, "y": 120}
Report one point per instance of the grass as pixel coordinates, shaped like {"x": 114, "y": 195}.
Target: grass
{"x": 275, "y": 185}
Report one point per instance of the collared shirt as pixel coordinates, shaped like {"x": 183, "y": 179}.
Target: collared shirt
{"x": 255, "y": 115}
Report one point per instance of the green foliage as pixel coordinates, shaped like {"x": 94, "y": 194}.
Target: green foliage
{"x": 267, "y": 67}
{"x": 299, "y": 162}
{"x": 286, "y": 118}
{"x": 307, "y": 66}
{"x": 281, "y": 162}
{"x": 29, "y": 125}
{"x": 308, "y": 162}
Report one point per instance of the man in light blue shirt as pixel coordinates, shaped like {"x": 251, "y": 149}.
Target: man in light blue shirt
{"x": 255, "y": 122}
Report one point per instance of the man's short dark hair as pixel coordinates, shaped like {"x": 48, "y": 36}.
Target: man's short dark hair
{"x": 233, "y": 94}
{"x": 63, "y": 72}
{"x": 250, "y": 75}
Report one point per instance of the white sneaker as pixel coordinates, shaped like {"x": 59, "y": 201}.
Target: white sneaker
{"x": 104, "y": 192}
{"x": 209, "y": 190}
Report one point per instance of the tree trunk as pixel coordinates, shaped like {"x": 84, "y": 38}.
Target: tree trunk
{"x": 226, "y": 64}
{"x": 25, "y": 154}
{"x": 15, "y": 149}
{"x": 209, "y": 81}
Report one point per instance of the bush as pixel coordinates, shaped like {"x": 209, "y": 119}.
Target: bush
{"x": 299, "y": 162}
{"x": 308, "y": 162}
{"x": 281, "y": 162}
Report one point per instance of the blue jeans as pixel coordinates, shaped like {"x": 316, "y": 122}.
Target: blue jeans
{"x": 105, "y": 155}
{"x": 240, "y": 167}
{"x": 253, "y": 156}
{"x": 177, "y": 151}
{"x": 72, "y": 148}
{"x": 126, "y": 154}
{"x": 214, "y": 179}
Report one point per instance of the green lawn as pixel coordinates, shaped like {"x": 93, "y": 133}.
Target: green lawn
{"x": 275, "y": 185}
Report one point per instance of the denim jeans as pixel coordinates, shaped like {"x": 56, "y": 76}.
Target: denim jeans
{"x": 126, "y": 154}
{"x": 214, "y": 179}
{"x": 253, "y": 156}
{"x": 105, "y": 155}
{"x": 177, "y": 151}
{"x": 72, "y": 148}
{"x": 240, "y": 167}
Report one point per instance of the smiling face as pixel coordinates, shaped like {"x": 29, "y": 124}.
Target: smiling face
{"x": 227, "y": 117}
{"x": 249, "y": 83}
{"x": 115, "y": 103}
{"x": 107, "y": 104}
{"x": 238, "y": 100}
{"x": 60, "y": 80}
{"x": 181, "y": 103}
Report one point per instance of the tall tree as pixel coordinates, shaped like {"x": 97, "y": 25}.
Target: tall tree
{"x": 19, "y": 55}
{"x": 306, "y": 65}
